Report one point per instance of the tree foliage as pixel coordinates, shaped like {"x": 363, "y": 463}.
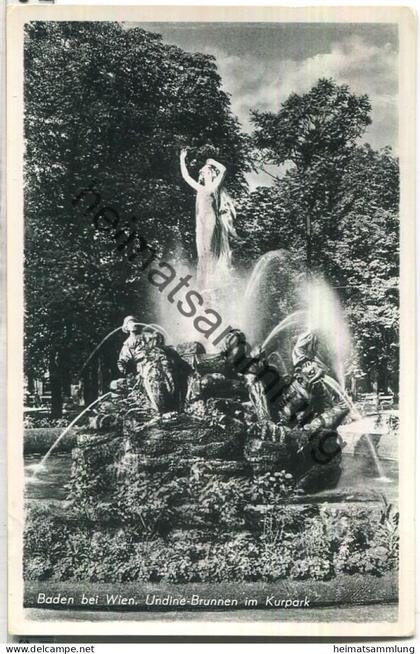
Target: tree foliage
{"x": 322, "y": 124}
{"x": 349, "y": 193}
{"x": 314, "y": 134}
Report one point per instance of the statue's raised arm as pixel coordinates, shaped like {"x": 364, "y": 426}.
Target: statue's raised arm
{"x": 184, "y": 172}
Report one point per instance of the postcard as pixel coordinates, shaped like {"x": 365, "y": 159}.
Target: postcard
{"x": 211, "y": 320}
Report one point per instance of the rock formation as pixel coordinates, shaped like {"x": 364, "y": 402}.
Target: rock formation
{"x": 188, "y": 415}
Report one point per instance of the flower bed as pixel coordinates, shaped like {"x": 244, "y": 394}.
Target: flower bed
{"x": 281, "y": 542}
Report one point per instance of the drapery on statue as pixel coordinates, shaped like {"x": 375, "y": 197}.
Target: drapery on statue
{"x": 215, "y": 212}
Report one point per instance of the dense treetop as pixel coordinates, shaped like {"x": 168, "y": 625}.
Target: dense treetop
{"x": 112, "y": 106}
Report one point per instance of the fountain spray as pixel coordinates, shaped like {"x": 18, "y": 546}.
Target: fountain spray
{"x": 39, "y": 466}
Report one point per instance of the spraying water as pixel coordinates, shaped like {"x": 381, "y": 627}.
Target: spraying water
{"x": 325, "y": 317}
{"x": 44, "y": 459}
{"x": 378, "y": 464}
{"x": 260, "y": 271}
{"x": 335, "y": 386}
{"x": 270, "y": 294}
{"x": 307, "y": 304}
{"x": 92, "y": 354}
{"x": 358, "y": 426}
{"x": 318, "y": 311}
{"x": 225, "y": 297}
{"x": 158, "y": 328}
{"x": 290, "y": 321}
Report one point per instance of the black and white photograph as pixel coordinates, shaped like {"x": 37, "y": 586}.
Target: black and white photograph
{"x": 214, "y": 404}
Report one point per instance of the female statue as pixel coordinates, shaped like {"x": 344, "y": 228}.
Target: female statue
{"x": 215, "y": 213}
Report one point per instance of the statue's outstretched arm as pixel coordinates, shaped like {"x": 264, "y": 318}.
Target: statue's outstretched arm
{"x": 222, "y": 172}
{"x": 185, "y": 174}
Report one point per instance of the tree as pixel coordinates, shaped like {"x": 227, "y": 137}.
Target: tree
{"x": 347, "y": 197}
{"x": 113, "y": 106}
{"x": 314, "y": 133}
{"x": 366, "y": 259}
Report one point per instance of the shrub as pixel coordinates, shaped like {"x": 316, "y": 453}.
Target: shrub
{"x": 273, "y": 488}
{"x": 32, "y": 422}
{"x": 292, "y": 542}
{"x": 311, "y": 568}
{"x": 275, "y": 563}
{"x": 370, "y": 547}
{"x": 37, "y": 568}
